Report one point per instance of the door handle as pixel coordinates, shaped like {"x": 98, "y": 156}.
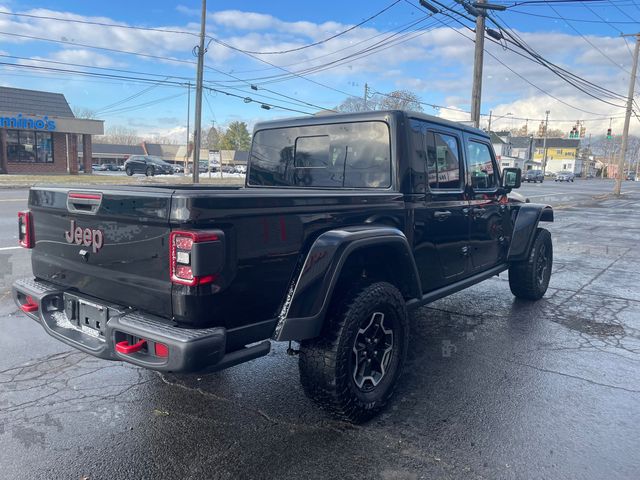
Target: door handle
{"x": 441, "y": 215}
{"x": 478, "y": 212}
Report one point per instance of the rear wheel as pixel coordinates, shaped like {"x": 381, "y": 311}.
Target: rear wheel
{"x": 529, "y": 279}
{"x": 351, "y": 371}
{"x": 150, "y": 172}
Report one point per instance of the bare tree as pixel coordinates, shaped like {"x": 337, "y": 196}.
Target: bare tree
{"x": 396, "y": 100}
{"x": 357, "y": 104}
{"x": 83, "y": 112}
{"x": 401, "y": 100}
{"x": 119, "y": 134}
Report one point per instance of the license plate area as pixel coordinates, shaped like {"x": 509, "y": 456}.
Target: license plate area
{"x": 87, "y": 316}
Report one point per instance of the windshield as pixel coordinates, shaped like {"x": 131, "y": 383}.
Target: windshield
{"x": 352, "y": 155}
{"x": 157, "y": 160}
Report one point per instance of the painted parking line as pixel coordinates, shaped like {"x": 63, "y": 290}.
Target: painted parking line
{"x": 2, "y": 249}
{"x": 13, "y": 200}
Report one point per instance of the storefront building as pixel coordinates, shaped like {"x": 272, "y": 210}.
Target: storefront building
{"x": 39, "y": 133}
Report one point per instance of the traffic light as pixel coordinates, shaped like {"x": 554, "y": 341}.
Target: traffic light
{"x": 574, "y": 133}
{"x": 608, "y": 133}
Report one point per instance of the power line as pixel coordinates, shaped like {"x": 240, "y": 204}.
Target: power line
{"x": 130, "y": 97}
{"x": 576, "y": 81}
{"x": 589, "y": 41}
{"x": 115, "y": 50}
{"x": 325, "y": 40}
{"x": 101, "y": 24}
{"x": 140, "y": 79}
{"x": 401, "y": 28}
{"x": 131, "y": 108}
{"x": 577, "y": 20}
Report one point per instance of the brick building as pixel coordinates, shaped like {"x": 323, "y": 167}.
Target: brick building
{"x": 40, "y": 134}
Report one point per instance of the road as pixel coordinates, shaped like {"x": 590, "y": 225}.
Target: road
{"x": 494, "y": 387}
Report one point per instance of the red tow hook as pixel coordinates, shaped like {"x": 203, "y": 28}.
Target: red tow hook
{"x": 125, "y": 348}
{"x": 30, "y": 305}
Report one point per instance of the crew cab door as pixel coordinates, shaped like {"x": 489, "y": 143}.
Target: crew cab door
{"x": 441, "y": 224}
{"x": 488, "y": 217}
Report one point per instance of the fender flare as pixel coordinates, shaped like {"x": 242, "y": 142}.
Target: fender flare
{"x": 524, "y": 229}
{"x": 302, "y": 315}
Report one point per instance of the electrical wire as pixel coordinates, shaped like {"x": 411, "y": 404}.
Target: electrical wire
{"x": 101, "y": 24}
{"x": 325, "y": 40}
{"x": 140, "y": 79}
{"x": 589, "y": 41}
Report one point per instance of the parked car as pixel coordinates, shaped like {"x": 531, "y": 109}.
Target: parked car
{"x": 178, "y": 168}
{"x": 533, "y": 176}
{"x": 631, "y": 176}
{"x": 346, "y": 224}
{"x": 112, "y": 167}
{"x": 98, "y": 167}
{"x": 564, "y": 177}
{"x": 147, "y": 164}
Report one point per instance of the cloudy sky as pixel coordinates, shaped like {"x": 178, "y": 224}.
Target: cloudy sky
{"x": 130, "y": 62}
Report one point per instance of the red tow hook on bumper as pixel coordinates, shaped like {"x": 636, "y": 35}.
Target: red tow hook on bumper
{"x": 126, "y": 349}
{"x": 30, "y": 306}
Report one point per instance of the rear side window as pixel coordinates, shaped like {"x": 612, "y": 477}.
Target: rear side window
{"x": 481, "y": 166}
{"x": 353, "y": 155}
{"x": 443, "y": 161}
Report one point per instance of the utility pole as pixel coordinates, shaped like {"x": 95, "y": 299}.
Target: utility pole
{"x": 627, "y": 117}
{"x": 490, "y": 115}
{"x": 478, "y": 58}
{"x": 186, "y": 155}
{"x": 544, "y": 142}
{"x": 197, "y": 129}
{"x": 366, "y": 95}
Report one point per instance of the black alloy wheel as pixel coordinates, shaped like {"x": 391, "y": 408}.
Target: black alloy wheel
{"x": 372, "y": 351}
{"x": 352, "y": 369}
{"x": 529, "y": 279}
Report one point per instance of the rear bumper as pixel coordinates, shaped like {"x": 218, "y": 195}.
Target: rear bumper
{"x": 187, "y": 350}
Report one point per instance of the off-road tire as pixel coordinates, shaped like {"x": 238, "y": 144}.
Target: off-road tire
{"x": 326, "y": 364}
{"x": 529, "y": 279}
{"x": 150, "y": 172}
{"x": 129, "y": 171}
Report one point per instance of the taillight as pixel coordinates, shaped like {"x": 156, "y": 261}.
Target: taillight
{"x": 25, "y": 229}
{"x": 181, "y": 259}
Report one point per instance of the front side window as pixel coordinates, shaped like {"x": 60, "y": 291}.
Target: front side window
{"x": 481, "y": 166}
{"x": 352, "y": 155}
{"x": 443, "y": 161}
{"x": 29, "y": 147}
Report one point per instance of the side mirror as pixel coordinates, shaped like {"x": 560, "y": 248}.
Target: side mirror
{"x": 511, "y": 178}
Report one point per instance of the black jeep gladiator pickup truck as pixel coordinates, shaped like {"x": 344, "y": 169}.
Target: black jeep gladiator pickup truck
{"x": 345, "y": 224}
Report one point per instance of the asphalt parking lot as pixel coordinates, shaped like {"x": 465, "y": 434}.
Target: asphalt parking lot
{"x": 494, "y": 387}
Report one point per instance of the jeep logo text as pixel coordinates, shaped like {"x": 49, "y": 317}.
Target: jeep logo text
{"x": 84, "y": 236}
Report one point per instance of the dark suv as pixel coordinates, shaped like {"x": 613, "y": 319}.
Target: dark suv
{"x": 533, "y": 176}
{"x": 147, "y": 164}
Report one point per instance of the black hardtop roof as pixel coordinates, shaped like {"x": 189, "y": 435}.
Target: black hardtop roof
{"x": 363, "y": 116}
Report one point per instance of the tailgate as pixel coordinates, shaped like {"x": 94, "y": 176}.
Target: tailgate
{"x": 109, "y": 243}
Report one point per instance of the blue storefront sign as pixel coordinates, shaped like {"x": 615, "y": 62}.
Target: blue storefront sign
{"x": 23, "y": 123}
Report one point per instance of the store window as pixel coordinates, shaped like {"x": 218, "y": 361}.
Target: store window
{"x": 29, "y": 147}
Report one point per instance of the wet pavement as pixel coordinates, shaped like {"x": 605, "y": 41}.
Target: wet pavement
{"x": 494, "y": 388}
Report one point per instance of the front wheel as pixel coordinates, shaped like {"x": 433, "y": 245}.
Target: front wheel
{"x": 129, "y": 171}
{"x": 529, "y": 279}
{"x": 351, "y": 371}
{"x": 150, "y": 172}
